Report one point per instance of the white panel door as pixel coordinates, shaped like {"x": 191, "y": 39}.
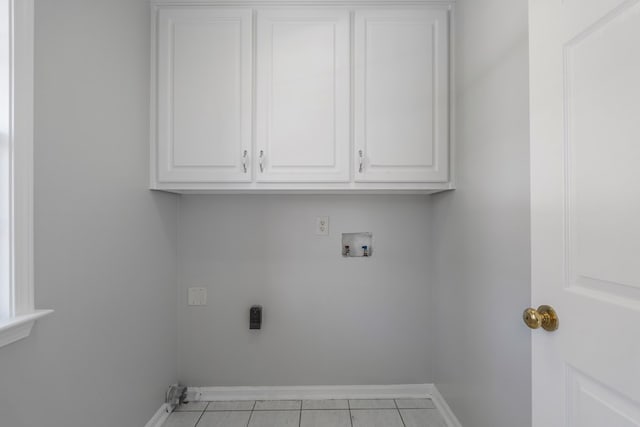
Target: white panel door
{"x": 204, "y": 95}
{"x": 585, "y": 213}
{"x": 302, "y": 115}
{"x": 401, "y": 95}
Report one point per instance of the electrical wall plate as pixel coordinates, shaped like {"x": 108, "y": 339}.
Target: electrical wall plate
{"x": 322, "y": 226}
{"x": 357, "y": 244}
{"x": 197, "y": 296}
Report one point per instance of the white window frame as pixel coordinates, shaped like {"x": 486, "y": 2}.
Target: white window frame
{"x": 22, "y": 312}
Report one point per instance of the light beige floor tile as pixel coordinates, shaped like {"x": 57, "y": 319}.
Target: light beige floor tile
{"x": 415, "y": 403}
{"x": 231, "y": 405}
{"x": 225, "y": 419}
{"x": 372, "y": 404}
{"x": 275, "y": 419}
{"x": 422, "y": 418}
{"x": 182, "y": 419}
{"x": 192, "y": 406}
{"x": 325, "y": 418}
{"x": 376, "y": 418}
{"x": 279, "y": 405}
{"x": 325, "y": 404}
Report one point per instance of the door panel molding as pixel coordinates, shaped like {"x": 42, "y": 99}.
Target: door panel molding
{"x": 600, "y": 247}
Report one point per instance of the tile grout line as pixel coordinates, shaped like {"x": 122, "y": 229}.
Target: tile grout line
{"x": 350, "y": 416}
{"x": 399, "y": 413}
{"x": 251, "y": 413}
{"x": 200, "y": 417}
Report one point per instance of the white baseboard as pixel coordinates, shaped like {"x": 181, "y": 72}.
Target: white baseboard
{"x": 329, "y": 392}
{"x": 444, "y": 408}
{"x": 312, "y": 392}
{"x": 159, "y": 417}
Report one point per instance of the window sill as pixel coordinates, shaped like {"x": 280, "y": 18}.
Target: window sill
{"x": 19, "y": 327}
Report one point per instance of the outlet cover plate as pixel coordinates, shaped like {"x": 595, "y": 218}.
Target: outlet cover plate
{"x": 322, "y": 226}
{"x": 197, "y": 296}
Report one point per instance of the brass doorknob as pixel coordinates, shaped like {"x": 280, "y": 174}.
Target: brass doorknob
{"x": 544, "y": 316}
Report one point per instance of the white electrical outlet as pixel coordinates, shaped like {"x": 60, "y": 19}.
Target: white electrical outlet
{"x": 322, "y": 226}
{"x": 197, "y": 296}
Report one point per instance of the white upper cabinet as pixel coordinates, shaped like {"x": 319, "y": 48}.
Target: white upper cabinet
{"x": 302, "y": 99}
{"x": 293, "y": 96}
{"x": 203, "y": 126}
{"x": 401, "y": 119}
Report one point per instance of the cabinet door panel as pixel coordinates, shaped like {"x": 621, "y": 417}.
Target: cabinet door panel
{"x": 401, "y": 95}
{"x": 303, "y": 95}
{"x": 204, "y": 95}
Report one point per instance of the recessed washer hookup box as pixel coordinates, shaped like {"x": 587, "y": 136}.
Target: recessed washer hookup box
{"x": 357, "y": 244}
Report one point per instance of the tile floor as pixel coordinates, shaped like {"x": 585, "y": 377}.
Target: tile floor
{"x": 308, "y": 413}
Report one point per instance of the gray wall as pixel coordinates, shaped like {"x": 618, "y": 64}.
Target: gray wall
{"x": 481, "y": 283}
{"x": 417, "y": 311}
{"x": 105, "y": 245}
{"x": 327, "y": 320}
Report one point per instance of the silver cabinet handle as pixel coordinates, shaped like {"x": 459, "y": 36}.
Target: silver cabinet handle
{"x": 244, "y": 161}
{"x": 361, "y": 161}
{"x": 260, "y": 161}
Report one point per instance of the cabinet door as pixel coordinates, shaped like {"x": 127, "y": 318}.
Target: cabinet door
{"x": 401, "y": 96}
{"x": 203, "y": 95}
{"x": 302, "y": 115}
